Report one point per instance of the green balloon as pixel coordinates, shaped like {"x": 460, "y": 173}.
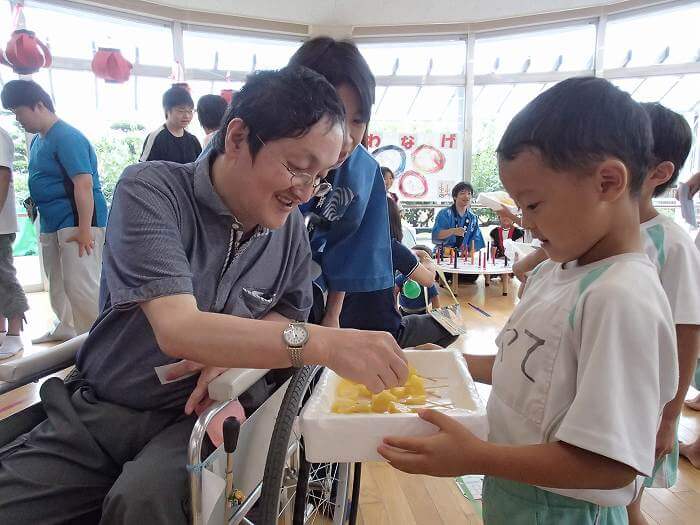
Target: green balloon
{"x": 411, "y": 289}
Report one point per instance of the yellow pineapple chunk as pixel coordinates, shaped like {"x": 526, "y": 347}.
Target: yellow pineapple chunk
{"x": 415, "y": 400}
{"x": 398, "y": 391}
{"x": 362, "y": 407}
{"x": 381, "y": 401}
{"x": 343, "y": 406}
{"x": 415, "y": 386}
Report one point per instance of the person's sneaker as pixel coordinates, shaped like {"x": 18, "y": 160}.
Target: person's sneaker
{"x": 11, "y": 345}
{"x": 59, "y": 334}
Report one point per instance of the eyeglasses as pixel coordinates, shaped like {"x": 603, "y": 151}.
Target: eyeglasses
{"x": 301, "y": 179}
{"x": 184, "y": 111}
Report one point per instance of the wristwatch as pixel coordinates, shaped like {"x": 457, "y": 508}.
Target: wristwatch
{"x": 295, "y": 337}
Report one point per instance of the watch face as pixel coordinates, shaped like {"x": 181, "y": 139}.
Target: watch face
{"x": 296, "y": 335}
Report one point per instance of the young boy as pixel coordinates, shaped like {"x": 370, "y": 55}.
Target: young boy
{"x": 678, "y": 264}
{"x": 171, "y": 141}
{"x": 567, "y": 410}
{"x": 417, "y": 305}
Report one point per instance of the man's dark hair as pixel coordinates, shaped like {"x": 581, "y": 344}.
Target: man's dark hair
{"x": 210, "y": 110}
{"x": 579, "y": 122}
{"x": 673, "y": 139}
{"x": 395, "y": 228}
{"x": 460, "y": 187}
{"x": 28, "y": 93}
{"x": 281, "y": 104}
{"x": 341, "y": 63}
{"x": 177, "y": 96}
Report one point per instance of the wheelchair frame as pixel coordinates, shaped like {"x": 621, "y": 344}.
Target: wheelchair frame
{"x": 284, "y": 458}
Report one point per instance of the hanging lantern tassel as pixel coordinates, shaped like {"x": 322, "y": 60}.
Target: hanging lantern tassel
{"x": 25, "y": 53}
{"x": 227, "y": 95}
{"x": 110, "y": 65}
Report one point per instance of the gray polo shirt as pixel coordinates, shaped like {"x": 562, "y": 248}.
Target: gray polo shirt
{"x": 169, "y": 233}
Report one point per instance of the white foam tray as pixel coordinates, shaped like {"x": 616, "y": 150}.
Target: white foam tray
{"x": 347, "y": 438}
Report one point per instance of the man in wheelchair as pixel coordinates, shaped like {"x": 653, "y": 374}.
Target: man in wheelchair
{"x": 208, "y": 263}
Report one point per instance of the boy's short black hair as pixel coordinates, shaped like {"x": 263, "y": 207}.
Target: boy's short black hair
{"x": 341, "y": 63}
{"x": 28, "y": 93}
{"x": 281, "y": 104}
{"x": 460, "y": 187}
{"x": 177, "y": 96}
{"x": 673, "y": 139}
{"x": 581, "y": 121}
{"x": 210, "y": 110}
{"x": 386, "y": 171}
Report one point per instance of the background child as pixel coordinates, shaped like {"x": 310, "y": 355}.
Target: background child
{"x": 564, "y": 392}
{"x": 506, "y": 230}
{"x": 678, "y": 264}
{"x": 417, "y": 305}
{"x": 388, "y": 177}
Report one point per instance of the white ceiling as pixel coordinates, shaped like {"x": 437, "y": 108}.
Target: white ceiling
{"x": 381, "y": 12}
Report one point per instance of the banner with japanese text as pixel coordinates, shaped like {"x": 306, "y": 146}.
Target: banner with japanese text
{"x": 426, "y": 165}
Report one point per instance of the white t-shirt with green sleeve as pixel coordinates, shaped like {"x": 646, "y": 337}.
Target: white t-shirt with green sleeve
{"x": 677, "y": 261}
{"x": 588, "y": 357}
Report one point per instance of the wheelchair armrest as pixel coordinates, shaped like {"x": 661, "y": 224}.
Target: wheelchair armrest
{"x": 41, "y": 362}
{"x": 233, "y": 383}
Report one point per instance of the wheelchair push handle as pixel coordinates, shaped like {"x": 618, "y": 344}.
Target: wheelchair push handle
{"x": 232, "y": 428}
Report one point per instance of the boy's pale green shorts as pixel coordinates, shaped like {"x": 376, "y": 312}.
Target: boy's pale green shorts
{"x": 512, "y": 503}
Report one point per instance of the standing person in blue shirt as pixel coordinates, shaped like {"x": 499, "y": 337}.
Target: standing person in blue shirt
{"x": 65, "y": 185}
{"x": 458, "y": 226}
{"x": 350, "y": 238}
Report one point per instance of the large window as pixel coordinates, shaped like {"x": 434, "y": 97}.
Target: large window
{"x": 669, "y": 36}
{"x": 568, "y": 48}
{"x": 75, "y": 34}
{"x": 681, "y": 93}
{"x": 417, "y": 125}
{"x": 233, "y": 53}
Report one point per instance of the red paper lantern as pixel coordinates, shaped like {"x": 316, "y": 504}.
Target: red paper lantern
{"x": 227, "y": 95}
{"x": 25, "y": 53}
{"x": 110, "y": 65}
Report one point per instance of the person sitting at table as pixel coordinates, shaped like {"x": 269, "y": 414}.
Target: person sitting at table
{"x": 457, "y": 226}
{"x": 505, "y": 230}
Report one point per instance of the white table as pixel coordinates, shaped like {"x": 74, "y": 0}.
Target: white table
{"x": 466, "y": 268}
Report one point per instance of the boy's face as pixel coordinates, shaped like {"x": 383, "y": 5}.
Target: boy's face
{"x": 180, "y": 116}
{"x": 563, "y": 209}
{"x": 354, "y": 124}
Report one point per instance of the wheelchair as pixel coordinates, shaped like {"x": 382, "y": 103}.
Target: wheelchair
{"x": 279, "y": 486}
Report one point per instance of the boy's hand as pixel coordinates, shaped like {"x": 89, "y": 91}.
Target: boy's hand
{"x": 665, "y": 438}
{"x": 453, "y": 451}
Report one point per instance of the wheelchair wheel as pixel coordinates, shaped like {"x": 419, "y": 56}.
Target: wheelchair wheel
{"x": 321, "y": 492}
{"x": 295, "y": 492}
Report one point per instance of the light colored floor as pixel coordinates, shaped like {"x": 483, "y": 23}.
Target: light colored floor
{"x": 390, "y": 497}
